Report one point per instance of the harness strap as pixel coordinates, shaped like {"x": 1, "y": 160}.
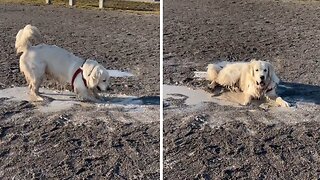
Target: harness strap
{"x": 74, "y": 77}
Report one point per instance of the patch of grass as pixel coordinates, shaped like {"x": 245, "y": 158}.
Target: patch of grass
{"x": 38, "y": 2}
{"x": 94, "y": 4}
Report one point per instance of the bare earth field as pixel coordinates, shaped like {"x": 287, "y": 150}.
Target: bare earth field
{"x": 64, "y": 140}
{"x": 215, "y": 141}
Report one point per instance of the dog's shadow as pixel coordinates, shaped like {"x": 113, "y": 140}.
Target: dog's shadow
{"x": 143, "y": 100}
{"x": 296, "y": 92}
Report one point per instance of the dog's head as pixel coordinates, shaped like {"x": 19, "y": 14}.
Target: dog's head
{"x": 97, "y": 76}
{"x": 263, "y": 73}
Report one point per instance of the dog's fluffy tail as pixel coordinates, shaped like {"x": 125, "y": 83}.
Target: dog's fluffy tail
{"x": 212, "y": 72}
{"x": 25, "y": 37}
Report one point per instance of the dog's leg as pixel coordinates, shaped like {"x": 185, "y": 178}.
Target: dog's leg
{"x": 212, "y": 85}
{"x": 86, "y": 95}
{"x": 35, "y": 85}
{"x": 96, "y": 95}
{"x": 282, "y": 103}
{"x": 278, "y": 100}
{"x": 212, "y": 74}
{"x": 246, "y": 99}
{"x": 34, "y": 77}
{"x": 92, "y": 99}
{"x": 23, "y": 68}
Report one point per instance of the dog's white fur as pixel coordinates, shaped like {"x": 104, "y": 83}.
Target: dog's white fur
{"x": 59, "y": 64}
{"x": 255, "y": 79}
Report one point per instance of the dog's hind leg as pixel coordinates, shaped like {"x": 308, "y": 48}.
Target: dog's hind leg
{"x": 35, "y": 78}
{"x": 35, "y": 85}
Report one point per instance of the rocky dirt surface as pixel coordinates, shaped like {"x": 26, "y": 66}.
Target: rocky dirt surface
{"x": 210, "y": 141}
{"x": 87, "y": 141}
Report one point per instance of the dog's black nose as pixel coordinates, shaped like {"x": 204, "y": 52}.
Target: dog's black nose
{"x": 262, "y": 77}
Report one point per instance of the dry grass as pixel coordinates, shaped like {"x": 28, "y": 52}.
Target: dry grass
{"x": 94, "y": 4}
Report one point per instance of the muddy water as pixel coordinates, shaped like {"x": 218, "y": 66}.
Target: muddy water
{"x": 191, "y": 96}
{"x": 304, "y": 100}
{"x": 63, "y": 100}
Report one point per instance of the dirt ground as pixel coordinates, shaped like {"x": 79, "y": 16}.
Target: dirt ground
{"x": 210, "y": 141}
{"x": 84, "y": 142}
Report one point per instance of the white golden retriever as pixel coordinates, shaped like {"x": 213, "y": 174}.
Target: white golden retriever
{"x": 254, "y": 79}
{"x": 87, "y": 77}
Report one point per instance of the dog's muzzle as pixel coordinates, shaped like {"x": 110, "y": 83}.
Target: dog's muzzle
{"x": 261, "y": 84}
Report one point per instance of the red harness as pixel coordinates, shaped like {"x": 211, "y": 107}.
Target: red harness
{"x": 74, "y": 77}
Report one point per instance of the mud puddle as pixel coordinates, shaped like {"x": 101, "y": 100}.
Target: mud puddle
{"x": 192, "y": 96}
{"x": 304, "y": 101}
{"x": 63, "y": 100}
{"x": 296, "y": 94}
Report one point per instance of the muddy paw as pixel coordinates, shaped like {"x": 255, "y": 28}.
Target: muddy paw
{"x": 282, "y": 103}
{"x": 36, "y": 98}
{"x": 212, "y": 85}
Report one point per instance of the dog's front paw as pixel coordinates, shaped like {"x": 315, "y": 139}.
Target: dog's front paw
{"x": 97, "y": 100}
{"x": 282, "y": 103}
{"x": 212, "y": 85}
{"x": 246, "y": 100}
{"x": 245, "y": 103}
{"x": 101, "y": 99}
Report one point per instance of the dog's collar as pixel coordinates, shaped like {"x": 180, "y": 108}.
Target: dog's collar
{"x": 79, "y": 70}
{"x": 268, "y": 90}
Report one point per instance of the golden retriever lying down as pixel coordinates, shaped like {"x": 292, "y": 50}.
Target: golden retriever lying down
{"x": 87, "y": 77}
{"x": 251, "y": 80}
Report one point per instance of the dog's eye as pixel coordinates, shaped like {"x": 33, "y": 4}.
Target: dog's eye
{"x": 265, "y": 70}
{"x": 257, "y": 69}
{"x": 104, "y": 80}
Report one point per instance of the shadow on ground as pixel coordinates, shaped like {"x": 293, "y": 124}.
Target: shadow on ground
{"x": 131, "y": 100}
{"x": 296, "y": 92}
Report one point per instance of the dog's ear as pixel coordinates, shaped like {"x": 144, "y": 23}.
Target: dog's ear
{"x": 88, "y": 67}
{"x": 251, "y": 66}
{"x": 97, "y": 74}
{"x": 93, "y": 78}
{"x": 271, "y": 73}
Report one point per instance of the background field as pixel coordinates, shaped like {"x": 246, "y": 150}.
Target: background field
{"x": 94, "y": 4}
